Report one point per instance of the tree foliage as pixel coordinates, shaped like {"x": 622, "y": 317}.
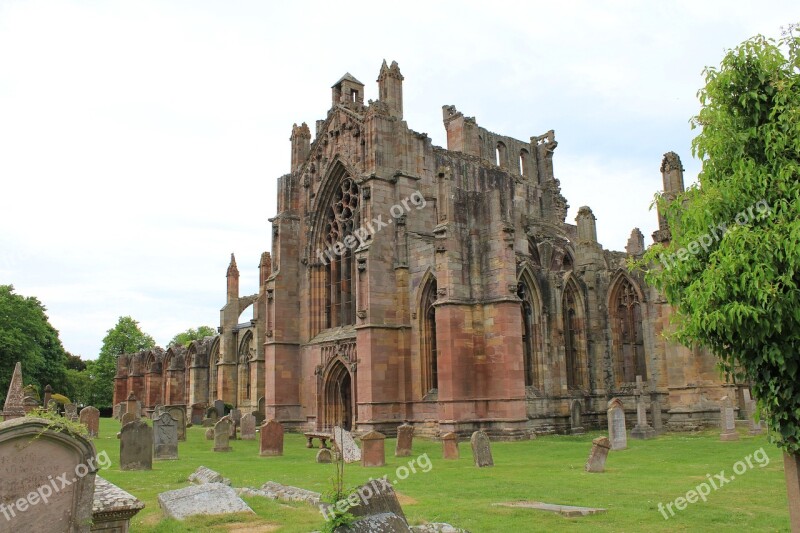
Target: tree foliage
{"x": 185, "y": 338}
{"x": 27, "y": 336}
{"x": 735, "y": 286}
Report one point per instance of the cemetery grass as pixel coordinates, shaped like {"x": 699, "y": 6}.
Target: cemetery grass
{"x": 548, "y": 469}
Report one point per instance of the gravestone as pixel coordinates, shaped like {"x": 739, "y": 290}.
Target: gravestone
{"x": 219, "y": 407}
{"x": 234, "y": 429}
{"x": 133, "y": 405}
{"x": 405, "y": 437}
{"x": 113, "y": 508}
{"x": 90, "y": 417}
{"x": 271, "y": 439}
{"x": 248, "y": 427}
{"x": 382, "y": 499}
{"x": 598, "y": 455}
{"x": 48, "y": 392}
{"x": 127, "y": 418}
{"x": 120, "y": 409}
{"x": 206, "y": 499}
{"x": 324, "y": 455}
{"x": 136, "y": 446}
{"x": 179, "y": 414}
{"x": 575, "y": 416}
{"x": 728, "y": 420}
{"x": 209, "y": 433}
{"x": 29, "y": 403}
{"x": 481, "y": 449}
{"x": 260, "y": 418}
{"x": 374, "y": 452}
{"x": 222, "y": 434}
{"x": 198, "y": 410}
{"x": 236, "y": 418}
{"x": 71, "y": 412}
{"x": 617, "y": 432}
{"x": 347, "y": 446}
{"x": 205, "y": 475}
{"x": 642, "y": 430}
{"x": 15, "y": 398}
{"x": 450, "y": 446}
{"x": 157, "y": 410}
{"x": 754, "y": 426}
{"x": 165, "y": 437}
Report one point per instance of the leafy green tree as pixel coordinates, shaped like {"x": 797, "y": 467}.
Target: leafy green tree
{"x": 75, "y": 362}
{"x": 191, "y": 334}
{"x": 125, "y": 337}
{"x": 27, "y": 336}
{"x": 736, "y": 289}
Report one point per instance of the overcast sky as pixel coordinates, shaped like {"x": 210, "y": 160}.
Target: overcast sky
{"x": 141, "y": 141}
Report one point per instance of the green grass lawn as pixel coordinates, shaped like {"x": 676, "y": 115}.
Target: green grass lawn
{"x": 548, "y": 469}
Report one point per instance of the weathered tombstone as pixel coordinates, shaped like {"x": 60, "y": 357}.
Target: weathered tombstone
{"x": 120, "y": 409}
{"x": 236, "y": 418}
{"x": 271, "y": 439}
{"x": 382, "y": 502}
{"x": 52, "y": 406}
{"x": 234, "y": 429}
{"x": 324, "y": 455}
{"x": 198, "y": 410}
{"x": 165, "y": 437}
{"x": 347, "y": 446}
{"x": 248, "y": 427}
{"x": 575, "y": 416}
{"x": 14, "y": 406}
{"x": 754, "y": 426}
{"x": 219, "y": 407}
{"x": 113, "y": 508}
{"x": 205, "y": 475}
{"x": 29, "y": 403}
{"x": 450, "y": 446}
{"x": 179, "y": 414}
{"x": 133, "y": 405}
{"x": 209, "y": 433}
{"x": 206, "y": 499}
{"x": 728, "y": 417}
{"x": 259, "y": 416}
{"x": 127, "y": 418}
{"x": 617, "y": 432}
{"x": 598, "y": 455}
{"x": 374, "y": 452}
{"x": 136, "y": 446}
{"x": 71, "y": 411}
{"x": 157, "y": 410}
{"x": 48, "y": 392}
{"x": 90, "y": 417}
{"x": 481, "y": 449}
{"x": 405, "y": 437}
{"x": 642, "y": 430}
{"x": 32, "y": 456}
{"x": 222, "y": 434}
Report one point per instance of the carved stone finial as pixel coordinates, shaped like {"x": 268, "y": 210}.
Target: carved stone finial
{"x": 232, "y": 269}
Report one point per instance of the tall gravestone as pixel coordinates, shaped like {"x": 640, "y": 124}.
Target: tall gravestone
{"x": 271, "y": 439}
{"x": 132, "y": 405}
{"x": 179, "y": 414}
{"x": 15, "y": 398}
{"x": 374, "y": 452}
{"x": 71, "y": 411}
{"x": 450, "y": 446}
{"x": 481, "y": 449}
{"x": 728, "y": 420}
{"x": 617, "y": 432}
{"x": 222, "y": 434}
{"x": 198, "y": 410}
{"x": 165, "y": 437}
{"x": 405, "y": 437}
{"x": 219, "y": 406}
{"x": 32, "y": 457}
{"x": 575, "y": 418}
{"x": 136, "y": 446}
{"x": 754, "y": 426}
{"x": 642, "y": 430}
{"x": 90, "y": 417}
{"x": 248, "y": 427}
{"x": 48, "y": 393}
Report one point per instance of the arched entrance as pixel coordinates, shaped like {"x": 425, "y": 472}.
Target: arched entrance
{"x": 337, "y": 398}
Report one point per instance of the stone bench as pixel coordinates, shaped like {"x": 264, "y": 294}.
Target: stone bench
{"x": 323, "y": 438}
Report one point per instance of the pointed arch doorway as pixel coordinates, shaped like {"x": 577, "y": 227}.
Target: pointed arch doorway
{"x": 337, "y": 397}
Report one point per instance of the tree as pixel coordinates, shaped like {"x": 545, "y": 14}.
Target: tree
{"x": 125, "y": 337}
{"x": 27, "y": 336}
{"x": 74, "y": 362}
{"x": 734, "y": 277}
{"x": 191, "y": 334}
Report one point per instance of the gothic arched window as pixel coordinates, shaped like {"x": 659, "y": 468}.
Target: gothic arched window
{"x": 531, "y": 338}
{"x": 573, "y": 338}
{"x": 430, "y": 362}
{"x": 342, "y": 219}
{"x": 626, "y": 323}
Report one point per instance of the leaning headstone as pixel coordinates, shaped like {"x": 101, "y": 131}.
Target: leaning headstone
{"x": 205, "y": 475}
{"x": 179, "y": 414}
{"x": 222, "y": 434}
{"x": 136, "y": 446}
{"x": 206, "y": 499}
{"x": 642, "y": 430}
{"x": 127, "y": 418}
{"x": 14, "y": 406}
{"x": 209, "y": 433}
{"x": 32, "y": 455}
{"x": 347, "y": 446}
{"x": 165, "y": 435}
{"x": 113, "y": 508}
{"x": 324, "y": 455}
{"x": 617, "y": 432}
{"x": 450, "y": 446}
{"x": 219, "y": 407}
{"x": 248, "y": 427}
{"x": 382, "y": 499}
{"x": 598, "y": 455}
{"x": 271, "y": 439}
{"x": 481, "y": 449}
{"x": 405, "y": 437}
{"x": 374, "y": 452}
{"x": 728, "y": 417}
{"x": 71, "y": 412}
{"x": 90, "y": 417}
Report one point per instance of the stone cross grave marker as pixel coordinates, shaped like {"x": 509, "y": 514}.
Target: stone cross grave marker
{"x": 728, "y": 419}
{"x": 642, "y": 430}
{"x": 481, "y": 449}
{"x": 271, "y": 439}
{"x": 405, "y": 437}
{"x": 598, "y": 455}
{"x": 165, "y": 437}
{"x": 248, "y": 427}
{"x": 90, "y": 417}
{"x": 136, "y": 446}
{"x": 617, "y": 431}
{"x": 222, "y": 434}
